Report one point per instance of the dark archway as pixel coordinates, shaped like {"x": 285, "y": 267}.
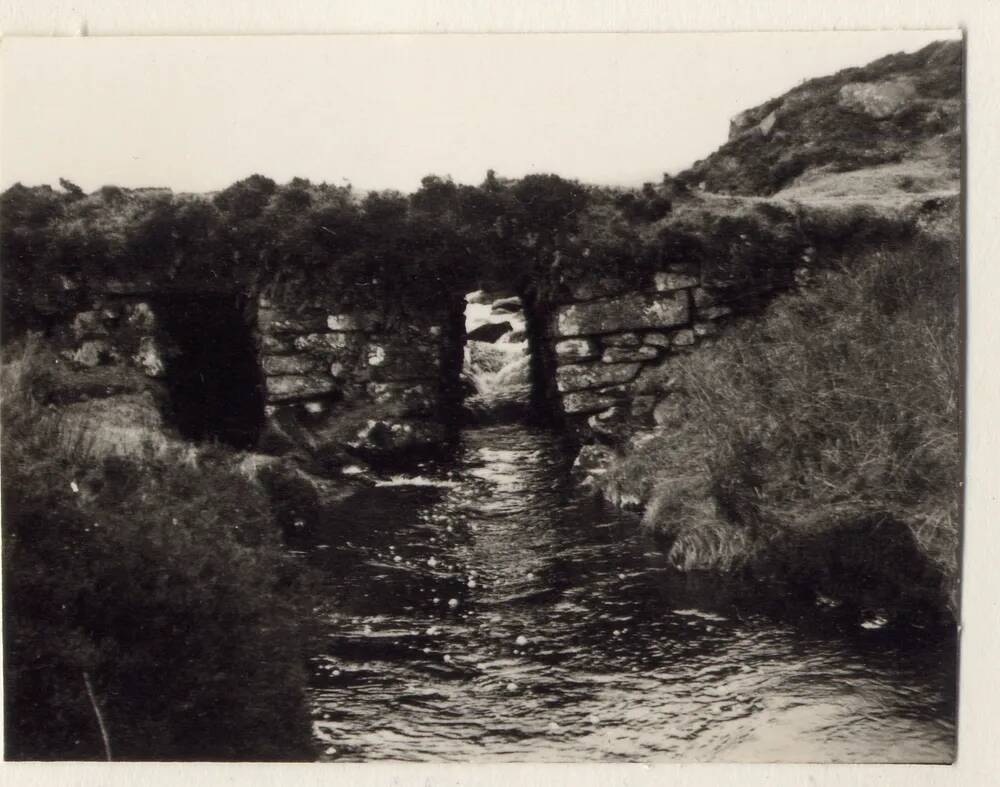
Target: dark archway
{"x": 214, "y": 380}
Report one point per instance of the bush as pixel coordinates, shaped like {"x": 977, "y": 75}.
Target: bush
{"x": 156, "y": 592}
{"x": 841, "y": 407}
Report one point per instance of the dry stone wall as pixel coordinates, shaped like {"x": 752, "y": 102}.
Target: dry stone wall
{"x": 332, "y": 379}
{"x": 606, "y": 335}
{"x": 396, "y": 376}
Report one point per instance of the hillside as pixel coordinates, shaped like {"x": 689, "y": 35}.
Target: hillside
{"x": 820, "y": 443}
{"x": 898, "y": 118}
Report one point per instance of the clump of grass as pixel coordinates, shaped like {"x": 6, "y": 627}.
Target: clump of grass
{"x": 149, "y": 609}
{"x": 841, "y": 406}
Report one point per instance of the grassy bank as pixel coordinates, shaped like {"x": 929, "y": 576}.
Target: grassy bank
{"x": 826, "y": 434}
{"x": 149, "y": 608}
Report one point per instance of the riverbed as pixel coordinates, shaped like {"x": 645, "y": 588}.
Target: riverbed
{"x": 486, "y": 608}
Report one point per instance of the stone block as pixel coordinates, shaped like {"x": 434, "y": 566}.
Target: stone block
{"x": 279, "y": 321}
{"x": 289, "y": 387}
{"x": 344, "y": 322}
{"x": 657, "y": 339}
{"x": 621, "y": 340}
{"x": 635, "y": 311}
{"x": 149, "y": 358}
{"x": 579, "y": 376}
{"x": 629, "y": 354}
{"x": 91, "y": 324}
{"x": 140, "y": 316}
{"x": 583, "y": 402}
{"x": 339, "y": 342}
{"x": 705, "y": 329}
{"x": 275, "y": 345}
{"x": 577, "y": 349}
{"x": 289, "y": 364}
{"x": 665, "y": 281}
{"x": 684, "y": 338}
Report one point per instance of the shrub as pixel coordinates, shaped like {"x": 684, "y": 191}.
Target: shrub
{"x": 840, "y": 407}
{"x": 155, "y": 592}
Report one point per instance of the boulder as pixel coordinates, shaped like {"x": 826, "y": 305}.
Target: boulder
{"x": 609, "y": 425}
{"x": 879, "y": 100}
{"x": 581, "y": 376}
{"x": 489, "y": 332}
{"x": 140, "y": 316}
{"x": 767, "y": 123}
{"x": 386, "y": 440}
{"x": 635, "y": 311}
{"x": 480, "y": 297}
{"x": 507, "y": 305}
{"x": 593, "y": 459}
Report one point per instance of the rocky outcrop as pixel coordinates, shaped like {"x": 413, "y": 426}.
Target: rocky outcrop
{"x": 879, "y": 100}
{"x": 887, "y": 112}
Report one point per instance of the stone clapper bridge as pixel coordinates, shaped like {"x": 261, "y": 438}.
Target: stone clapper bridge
{"x": 263, "y": 367}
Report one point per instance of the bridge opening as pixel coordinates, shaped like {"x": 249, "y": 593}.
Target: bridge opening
{"x": 496, "y": 362}
{"x": 214, "y": 380}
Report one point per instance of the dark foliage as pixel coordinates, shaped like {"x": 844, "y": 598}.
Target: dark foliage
{"x": 162, "y": 583}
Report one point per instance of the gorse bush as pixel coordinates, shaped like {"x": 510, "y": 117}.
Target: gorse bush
{"x": 153, "y": 593}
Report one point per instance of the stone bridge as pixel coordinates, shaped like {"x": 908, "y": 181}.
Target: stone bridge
{"x": 269, "y": 367}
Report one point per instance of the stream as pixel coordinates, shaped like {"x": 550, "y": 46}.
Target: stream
{"x": 485, "y": 608}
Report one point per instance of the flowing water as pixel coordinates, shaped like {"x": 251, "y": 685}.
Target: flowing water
{"x": 486, "y": 608}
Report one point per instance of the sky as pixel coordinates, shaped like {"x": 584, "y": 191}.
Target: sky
{"x": 380, "y": 111}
